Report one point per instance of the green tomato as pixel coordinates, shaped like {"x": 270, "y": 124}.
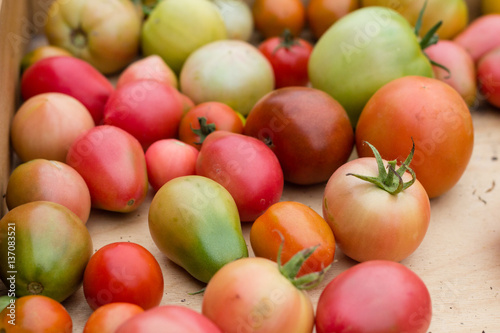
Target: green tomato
{"x": 176, "y": 28}
{"x": 194, "y": 221}
{"x": 363, "y": 51}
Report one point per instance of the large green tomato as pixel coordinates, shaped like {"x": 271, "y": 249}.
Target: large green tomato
{"x": 361, "y": 52}
{"x": 176, "y": 28}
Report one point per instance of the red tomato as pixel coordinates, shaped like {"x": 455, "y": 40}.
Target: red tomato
{"x": 112, "y": 163}
{"x": 246, "y": 167}
{"x": 480, "y": 36}
{"x": 123, "y": 272}
{"x": 218, "y": 116}
{"x": 57, "y": 74}
{"x": 298, "y": 227}
{"x": 289, "y": 57}
{"x": 321, "y": 14}
{"x": 434, "y": 115}
{"x": 370, "y": 222}
{"x": 107, "y": 318}
{"x": 35, "y": 313}
{"x": 149, "y": 110}
{"x": 167, "y": 159}
{"x": 375, "y": 297}
{"x": 272, "y": 17}
{"x": 306, "y": 128}
{"x": 488, "y": 74}
{"x": 169, "y": 318}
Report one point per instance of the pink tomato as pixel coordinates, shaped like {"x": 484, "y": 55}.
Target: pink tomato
{"x": 488, "y": 74}
{"x": 480, "y": 36}
{"x": 149, "y": 68}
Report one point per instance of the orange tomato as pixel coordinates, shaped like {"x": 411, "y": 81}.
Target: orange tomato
{"x": 321, "y": 14}
{"x": 272, "y": 17}
{"x": 109, "y": 317}
{"x": 301, "y": 227}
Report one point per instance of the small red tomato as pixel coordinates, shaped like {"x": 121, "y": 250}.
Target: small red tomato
{"x": 374, "y": 297}
{"x": 167, "y": 159}
{"x": 488, "y": 74}
{"x": 109, "y": 317}
{"x": 289, "y": 57}
{"x": 217, "y": 117}
{"x": 123, "y": 272}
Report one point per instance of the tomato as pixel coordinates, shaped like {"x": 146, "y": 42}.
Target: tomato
{"x": 176, "y": 28}
{"x": 258, "y": 295}
{"x": 480, "y": 36}
{"x": 218, "y": 116}
{"x": 233, "y": 72}
{"x": 490, "y": 7}
{"x": 321, "y": 14}
{"x": 104, "y": 33}
{"x": 148, "y": 109}
{"x": 299, "y": 227}
{"x": 92, "y": 88}
{"x": 434, "y": 115}
{"x": 289, "y": 57}
{"x": 246, "y": 167}
{"x": 375, "y": 297}
{"x": 44, "y": 180}
{"x": 113, "y": 165}
{"x": 148, "y": 68}
{"x": 272, "y": 17}
{"x": 339, "y": 62}
{"x": 453, "y": 13}
{"x": 488, "y": 74}
{"x": 173, "y": 318}
{"x": 35, "y": 313}
{"x": 462, "y": 70}
{"x": 194, "y": 221}
{"x": 307, "y": 129}
{"x": 237, "y": 17}
{"x": 46, "y": 125}
{"x": 41, "y": 52}
{"x": 107, "y": 318}
{"x": 52, "y": 247}
{"x": 371, "y": 221}
{"x": 123, "y": 272}
{"x": 167, "y": 159}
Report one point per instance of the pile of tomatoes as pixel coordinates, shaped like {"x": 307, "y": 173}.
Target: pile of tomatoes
{"x": 216, "y": 127}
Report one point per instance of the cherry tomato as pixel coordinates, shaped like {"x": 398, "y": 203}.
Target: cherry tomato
{"x": 321, "y": 14}
{"x": 434, "y": 115}
{"x": 298, "y": 227}
{"x": 272, "y": 17}
{"x": 35, "y": 313}
{"x": 107, "y": 318}
{"x": 217, "y": 116}
{"x": 289, "y": 57}
{"x": 488, "y": 74}
{"x": 375, "y": 297}
{"x": 123, "y": 272}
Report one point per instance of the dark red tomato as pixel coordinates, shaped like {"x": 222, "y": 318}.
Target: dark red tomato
{"x": 218, "y": 116}
{"x": 289, "y": 57}
{"x": 376, "y": 296}
{"x": 57, "y": 74}
{"x": 246, "y": 167}
{"x": 123, "y": 272}
{"x": 306, "y": 128}
{"x": 109, "y": 317}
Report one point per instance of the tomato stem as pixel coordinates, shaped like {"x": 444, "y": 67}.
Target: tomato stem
{"x": 204, "y": 130}
{"x": 287, "y": 41}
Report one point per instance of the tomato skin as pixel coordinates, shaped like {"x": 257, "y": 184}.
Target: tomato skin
{"x": 220, "y": 114}
{"x": 272, "y": 17}
{"x": 107, "y": 318}
{"x": 309, "y": 132}
{"x": 92, "y": 88}
{"x": 148, "y": 68}
{"x": 172, "y": 318}
{"x": 246, "y": 167}
{"x": 42, "y": 52}
{"x": 480, "y": 36}
{"x": 251, "y": 295}
{"x": 36, "y": 313}
{"x": 119, "y": 272}
{"x": 369, "y": 223}
{"x": 113, "y": 165}
{"x": 375, "y": 297}
{"x": 321, "y": 14}
{"x": 488, "y": 74}
{"x": 301, "y": 227}
{"x": 434, "y": 115}
{"x": 289, "y": 62}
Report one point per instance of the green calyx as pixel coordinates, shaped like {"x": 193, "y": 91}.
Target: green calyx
{"x": 391, "y": 180}
{"x": 204, "y": 130}
{"x": 287, "y": 41}
{"x": 293, "y": 266}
